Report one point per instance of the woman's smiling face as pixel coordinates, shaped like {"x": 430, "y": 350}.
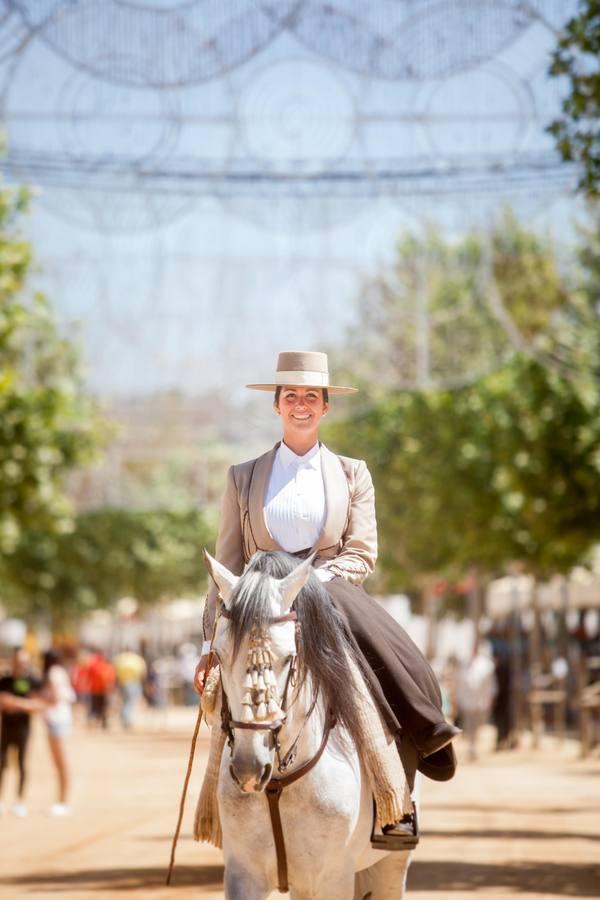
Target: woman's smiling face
{"x": 301, "y": 410}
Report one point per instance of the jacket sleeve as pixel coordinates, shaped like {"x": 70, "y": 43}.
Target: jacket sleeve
{"x": 229, "y": 550}
{"x": 358, "y": 555}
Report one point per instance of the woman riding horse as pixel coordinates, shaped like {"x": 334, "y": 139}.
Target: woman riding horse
{"x": 302, "y": 498}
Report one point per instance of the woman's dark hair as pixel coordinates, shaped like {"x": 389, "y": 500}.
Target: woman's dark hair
{"x": 279, "y": 389}
{"x": 51, "y": 658}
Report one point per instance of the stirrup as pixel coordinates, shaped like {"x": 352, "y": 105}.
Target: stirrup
{"x": 408, "y": 841}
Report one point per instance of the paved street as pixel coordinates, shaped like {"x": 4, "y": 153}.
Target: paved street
{"x": 510, "y": 824}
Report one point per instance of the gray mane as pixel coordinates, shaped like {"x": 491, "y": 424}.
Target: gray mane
{"x": 324, "y": 645}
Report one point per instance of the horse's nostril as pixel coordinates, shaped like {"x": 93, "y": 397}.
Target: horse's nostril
{"x": 266, "y": 775}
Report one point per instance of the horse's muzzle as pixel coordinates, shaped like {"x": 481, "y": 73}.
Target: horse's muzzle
{"x": 247, "y": 781}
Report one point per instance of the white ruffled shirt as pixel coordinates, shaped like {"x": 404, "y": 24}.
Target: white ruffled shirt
{"x": 295, "y": 506}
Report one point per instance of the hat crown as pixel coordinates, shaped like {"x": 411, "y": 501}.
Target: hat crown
{"x": 302, "y": 361}
{"x": 302, "y": 368}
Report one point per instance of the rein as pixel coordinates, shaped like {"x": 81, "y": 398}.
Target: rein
{"x": 275, "y": 786}
{"x": 274, "y": 789}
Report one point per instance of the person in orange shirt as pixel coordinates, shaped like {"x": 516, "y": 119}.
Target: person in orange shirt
{"x": 100, "y": 677}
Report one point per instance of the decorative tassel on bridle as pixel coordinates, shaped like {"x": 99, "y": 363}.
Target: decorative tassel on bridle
{"x": 261, "y": 701}
{"x": 210, "y": 694}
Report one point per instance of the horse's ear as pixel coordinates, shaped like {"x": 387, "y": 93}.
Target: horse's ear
{"x": 223, "y": 578}
{"x": 292, "y": 584}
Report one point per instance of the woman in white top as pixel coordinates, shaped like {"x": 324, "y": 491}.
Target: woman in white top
{"x": 58, "y": 715}
{"x": 303, "y": 498}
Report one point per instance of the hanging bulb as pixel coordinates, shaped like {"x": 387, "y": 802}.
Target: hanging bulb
{"x": 261, "y": 711}
{"x": 247, "y": 699}
{"x": 260, "y": 682}
{"x": 248, "y": 683}
{"x": 247, "y": 714}
{"x": 254, "y": 678}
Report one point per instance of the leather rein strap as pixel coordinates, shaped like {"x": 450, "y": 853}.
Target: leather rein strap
{"x": 274, "y": 790}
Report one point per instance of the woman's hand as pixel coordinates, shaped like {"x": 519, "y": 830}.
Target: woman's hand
{"x": 199, "y": 673}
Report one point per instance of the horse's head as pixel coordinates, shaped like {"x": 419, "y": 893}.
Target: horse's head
{"x": 255, "y": 642}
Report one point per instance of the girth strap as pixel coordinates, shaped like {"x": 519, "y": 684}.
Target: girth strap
{"x": 274, "y": 790}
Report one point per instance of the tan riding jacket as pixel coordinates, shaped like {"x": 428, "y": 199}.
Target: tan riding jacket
{"x": 347, "y": 544}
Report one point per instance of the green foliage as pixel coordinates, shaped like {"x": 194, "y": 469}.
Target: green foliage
{"x": 505, "y": 469}
{"x": 112, "y": 553}
{"x": 47, "y": 424}
{"x": 526, "y": 275}
{"x": 446, "y": 310}
{"x": 577, "y": 57}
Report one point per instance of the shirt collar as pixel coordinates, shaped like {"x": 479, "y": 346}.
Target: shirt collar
{"x": 311, "y": 459}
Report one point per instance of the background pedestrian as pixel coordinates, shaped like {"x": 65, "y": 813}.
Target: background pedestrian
{"x": 59, "y": 720}
{"x": 19, "y": 698}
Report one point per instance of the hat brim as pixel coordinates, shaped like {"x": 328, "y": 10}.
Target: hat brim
{"x": 331, "y": 388}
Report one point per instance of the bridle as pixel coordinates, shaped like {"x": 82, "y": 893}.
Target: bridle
{"x": 229, "y": 724}
{"x": 275, "y": 786}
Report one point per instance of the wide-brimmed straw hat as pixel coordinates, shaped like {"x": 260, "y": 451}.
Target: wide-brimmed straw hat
{"x": 302, "y": 368}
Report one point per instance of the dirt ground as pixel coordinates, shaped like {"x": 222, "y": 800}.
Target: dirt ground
{"x": 514, "y": 823}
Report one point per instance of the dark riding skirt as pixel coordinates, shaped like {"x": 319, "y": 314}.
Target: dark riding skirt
{"x": 401, "y": 680}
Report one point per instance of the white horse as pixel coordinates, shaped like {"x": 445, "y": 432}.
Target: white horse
{"x": 327, "y": 814}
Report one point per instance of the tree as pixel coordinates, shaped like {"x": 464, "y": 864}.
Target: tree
{"x": 445, "y": 312}
{"x": 48, "y": 425}
{"x": 111, "y": 553}
{"x": 504, "y": 469}
{"x": 577, "y": 57}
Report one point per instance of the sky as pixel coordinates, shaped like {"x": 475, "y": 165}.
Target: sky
{"x": 213, "y": 186}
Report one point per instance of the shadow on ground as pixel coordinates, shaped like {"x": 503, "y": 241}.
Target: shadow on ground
{"x": 512, "y": 834}
{"x": 120, "y": 879}
{"x": 518, "y": 878}
{"x": 485, "y": 808}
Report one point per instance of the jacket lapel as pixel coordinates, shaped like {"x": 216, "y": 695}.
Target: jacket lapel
{"x": 256, "y": 500}
{"x": 337, "y": 498}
